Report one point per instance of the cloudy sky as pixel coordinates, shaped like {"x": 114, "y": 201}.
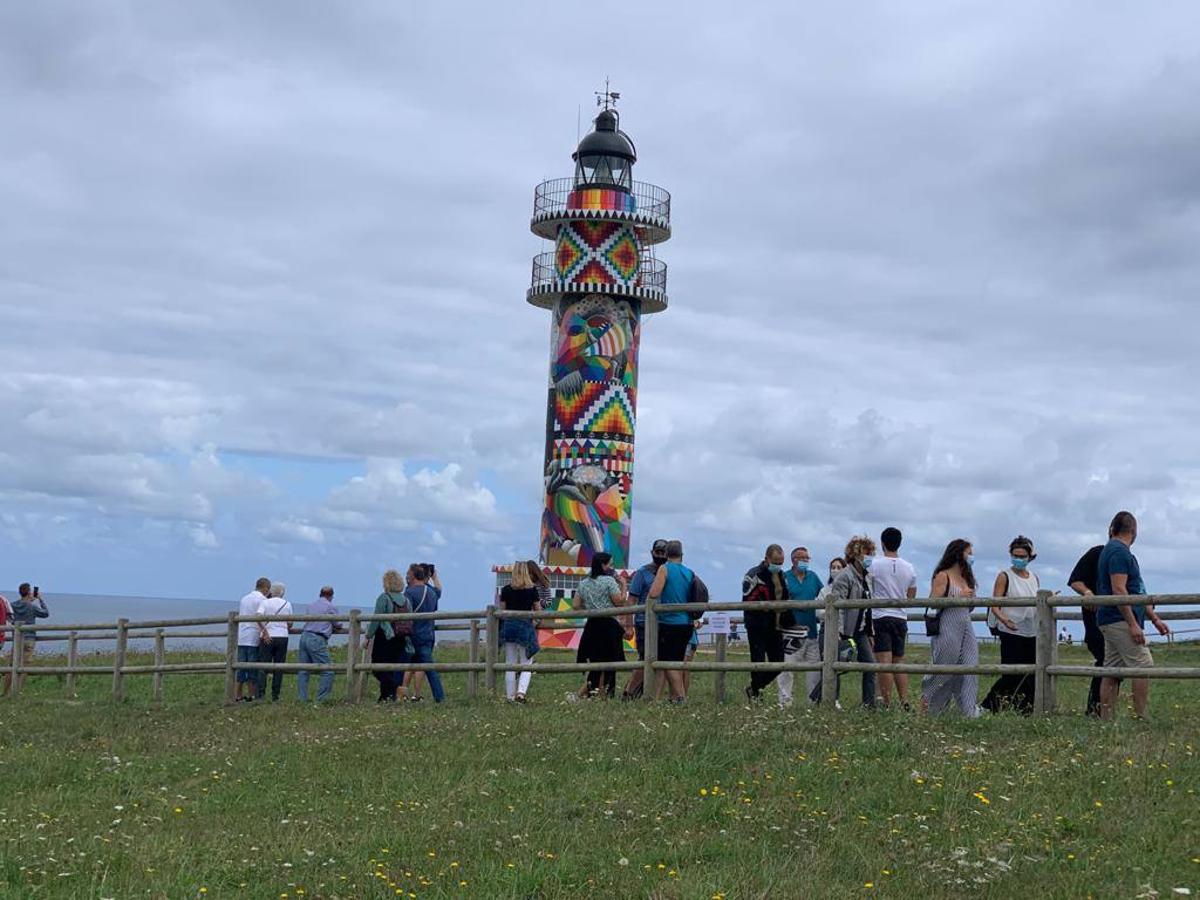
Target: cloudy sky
{"x": 263, "y": 265}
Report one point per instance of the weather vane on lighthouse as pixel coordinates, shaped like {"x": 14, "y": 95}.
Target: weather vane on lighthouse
{"x": 607, "y": 98}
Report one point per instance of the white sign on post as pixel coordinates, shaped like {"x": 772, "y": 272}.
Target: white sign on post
{"x": 716, "y": 623}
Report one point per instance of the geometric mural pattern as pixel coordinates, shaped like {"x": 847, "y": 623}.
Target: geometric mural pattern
{"x": 611, "y": 455}
{"x": 597, "y": 252}
{"x": 593, "y": 405}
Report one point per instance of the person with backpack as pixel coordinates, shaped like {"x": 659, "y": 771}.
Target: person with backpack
{"x": 764, "y": 584}
{"x": 1016, "y": 627}
{"x": 423, "y": 593}
{"x": 390, "y": 641}
{"x": 674, "y": 583}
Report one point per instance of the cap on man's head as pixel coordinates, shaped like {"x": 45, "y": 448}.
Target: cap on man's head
{"x": 658, "y": 548}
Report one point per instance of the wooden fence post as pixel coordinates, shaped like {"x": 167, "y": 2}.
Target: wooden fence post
{"x": 72, "y": 661}
{"x": 473, "y": 657}
{"x": 829, "y": 653}
{"x": 118, "y": 687}
{"x": 18, "y": 659}
{"x": 231, "y": 651}
{"x": 352, "y": 636}
{"x": 160, "y": 654}
{"x": 719, "y": 677}
{"x": 492, "y": 633}
{"x": 1043, "y": 684}
{"x": 649, "y": 675}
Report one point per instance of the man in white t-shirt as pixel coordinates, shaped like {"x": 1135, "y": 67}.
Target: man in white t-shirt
{"x": 250, "y": 635}
{"x": 892, "y": 578}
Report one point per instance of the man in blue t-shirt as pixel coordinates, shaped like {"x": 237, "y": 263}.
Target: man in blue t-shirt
{"x": 798, "y": 627}
{"x": 672, "y": 584}
{"x": 1118, "y": 574}
{"x": 639, "y": 587}
{"x": 423, "y": 592}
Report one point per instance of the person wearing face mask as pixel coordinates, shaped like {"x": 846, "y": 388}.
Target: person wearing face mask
{"x": 639, "y": 588}
{"x": 856, "y": 625}
{"x": 1016, "y": 627}
{"x": 954, "y": 642}
{"x": 798, "y": 628}
{"x": 764, "y": 584}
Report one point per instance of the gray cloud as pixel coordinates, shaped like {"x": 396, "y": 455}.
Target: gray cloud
{"x": 931, "y": 266}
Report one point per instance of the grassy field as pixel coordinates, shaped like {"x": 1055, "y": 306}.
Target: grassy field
{"x": 483, "y": 799}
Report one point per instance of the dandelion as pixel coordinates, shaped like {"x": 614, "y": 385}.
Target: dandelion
{"x": 178, "y": 810}
{"x": 982, "y": 799}
{"x": 868, "y": 885}
{"x": 703, "y": 792}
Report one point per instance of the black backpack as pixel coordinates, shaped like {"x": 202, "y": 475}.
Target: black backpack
{"x": 697, "y": 593}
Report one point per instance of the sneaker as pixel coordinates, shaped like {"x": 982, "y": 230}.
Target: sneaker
{"x": 520, "y": 698}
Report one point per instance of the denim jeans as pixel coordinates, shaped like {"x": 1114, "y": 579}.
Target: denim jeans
{"x": 314, "y": 649}
{"x": 423, "y": 653}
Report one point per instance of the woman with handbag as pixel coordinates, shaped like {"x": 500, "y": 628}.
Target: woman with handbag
{"x": 1016, "y": 627}
{"x": 952, "y": 638}
{"x": 389, "y": 641}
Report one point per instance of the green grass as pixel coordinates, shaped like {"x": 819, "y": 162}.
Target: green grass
{"x": 484, "y": 799}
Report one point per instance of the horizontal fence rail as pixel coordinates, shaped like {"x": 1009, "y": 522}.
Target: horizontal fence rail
{"x": 483, "y": 627}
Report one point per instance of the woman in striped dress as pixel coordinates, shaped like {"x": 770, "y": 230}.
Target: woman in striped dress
{"x": 954, "y": 644}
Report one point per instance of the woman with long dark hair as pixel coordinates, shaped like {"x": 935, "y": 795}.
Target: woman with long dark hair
{"x": 954, "y": 642}
{"x": 602, "y": 637}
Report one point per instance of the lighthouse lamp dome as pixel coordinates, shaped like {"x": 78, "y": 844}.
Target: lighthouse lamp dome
{"x": 605, "y": 157}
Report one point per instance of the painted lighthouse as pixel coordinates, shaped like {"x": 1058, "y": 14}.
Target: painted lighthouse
{"x": 598, "y": 282}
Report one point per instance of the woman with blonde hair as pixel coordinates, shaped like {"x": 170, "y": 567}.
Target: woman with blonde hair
{"x": 854, "y": 625}
{"x": 388, "y": 641}
{"x": 519, "y": 636}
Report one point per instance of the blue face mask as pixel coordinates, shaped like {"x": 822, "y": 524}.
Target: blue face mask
{"x": 775, "y": 567}
{"x": 1020, "y": 564}
{"x": 801, "y": 566}
{"x": 866, "y": 561}
{"x": 971, "y": 562}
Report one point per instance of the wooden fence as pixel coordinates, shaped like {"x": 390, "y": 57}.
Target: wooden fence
{"x": 483, "y": 627}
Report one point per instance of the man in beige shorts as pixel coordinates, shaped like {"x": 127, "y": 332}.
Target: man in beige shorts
{"x": 1122, "y": 626}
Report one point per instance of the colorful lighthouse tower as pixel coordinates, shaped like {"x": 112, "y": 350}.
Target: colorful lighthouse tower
{"x": 598, "y": 282}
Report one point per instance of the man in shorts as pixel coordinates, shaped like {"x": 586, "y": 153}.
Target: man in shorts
{"x": 892, "y": 578}
{"x": 672, "y": 584}
{"x": 1119, "y": 574}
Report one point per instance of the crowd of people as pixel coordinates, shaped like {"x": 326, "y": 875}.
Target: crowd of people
{"x": 394, "y": 642}
{"x": 874, "y": 630}
{"x": 877, "y": 630}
